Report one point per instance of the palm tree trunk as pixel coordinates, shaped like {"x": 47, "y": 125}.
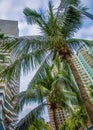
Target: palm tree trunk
{"x": 55, "y": 119}
{"x": 84, "y": 95}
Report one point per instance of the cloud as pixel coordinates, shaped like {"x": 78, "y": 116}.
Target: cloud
{"x": 27, "y": 30}
{"x": 4, "y": 8}
{"x": 86, "y": 2}
{"x": 13, "y": 10}
{"x": 86, "y": 33}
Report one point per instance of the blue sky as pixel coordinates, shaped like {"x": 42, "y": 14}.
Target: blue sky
{"x": 13, "y": 10}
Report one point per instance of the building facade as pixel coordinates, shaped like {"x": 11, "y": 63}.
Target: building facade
{"x": 60, "y": 117}
{"x": 9, "y": 28}
{"x": 8, "y": 118}
{"x": 84, "y": 65}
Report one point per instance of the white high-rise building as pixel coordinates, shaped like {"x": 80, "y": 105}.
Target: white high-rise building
{"x": 8, "y": 118}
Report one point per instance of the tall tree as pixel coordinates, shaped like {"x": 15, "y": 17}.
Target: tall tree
{"x": 56, "y": 36}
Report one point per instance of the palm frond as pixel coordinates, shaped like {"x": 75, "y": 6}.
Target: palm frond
{"x": 64, "y": 4}
{"x": 2, "y": 58}
{"x": 79, "y": 41}
{"x": 69, "y": 23}
{"x": 41, "y": 72}
{"x": 24, "y": 63}
{"x": 25, "y": 98}
{"x": 24, "y": 45}
{"x": 35, "y": 91}
{"x": 57, "y": 63}
{"x": 32, "y": 16}
{"x": 30, "y": 117}
{"x": 1, "y": 36}
{"x": 65, "y": 95}
{"x": 83, "y": 11}
{"x": 77, "y": 44}
{"x": 69, "y": 78}
{"x": 51, "y": 13}
{"x": 35, "y": 94}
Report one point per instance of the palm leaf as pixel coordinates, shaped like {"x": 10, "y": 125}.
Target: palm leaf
{"x": 33, "y": 17}
{"x": 83, "y": 11}
{"x": 77, "y": 44}
{"x": 24, "y": 63}
{"x": 24, "y": 45}
{"x": 41, "y": 72}
{"x": 69, "y": 23}
{"x": 30, "y": 117}
{"x": 79, "y": 41}
{"x": 36, "y": 94}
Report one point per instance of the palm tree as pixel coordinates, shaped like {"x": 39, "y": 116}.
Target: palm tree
{"x": 59, "y": 42}
{"x": 59, "y": 91}
{"x": 56, "y": 35}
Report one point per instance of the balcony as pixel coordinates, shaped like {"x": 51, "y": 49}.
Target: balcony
{"x": 9, "y": 118}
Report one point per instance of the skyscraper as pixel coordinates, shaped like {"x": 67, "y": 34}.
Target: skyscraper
{"x": 86, "y": 58}
{"x": 84, "y": 65}
{"x": 8, "y": 118}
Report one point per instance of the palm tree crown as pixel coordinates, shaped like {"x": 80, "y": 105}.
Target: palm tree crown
{"x": 58, "y": 88}
{"x": 41, "y": 50}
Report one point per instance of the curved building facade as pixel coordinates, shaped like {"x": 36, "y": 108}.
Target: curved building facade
{"x": 8, "y": 117}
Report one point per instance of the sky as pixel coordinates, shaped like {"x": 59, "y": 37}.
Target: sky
{"x": 13, "y": 10}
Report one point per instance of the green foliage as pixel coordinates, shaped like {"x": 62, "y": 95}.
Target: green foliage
{"x": 39, "y": 125}
{"x": 56, "y": 86}
{"x": 76, "y": 120}
{"x": 1, "y": 36}
{"x": 30, "y": 52}
{"x": 35, "y": 124}
{"x": 90, "y": 88}
{"x": 59, "y": 87}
